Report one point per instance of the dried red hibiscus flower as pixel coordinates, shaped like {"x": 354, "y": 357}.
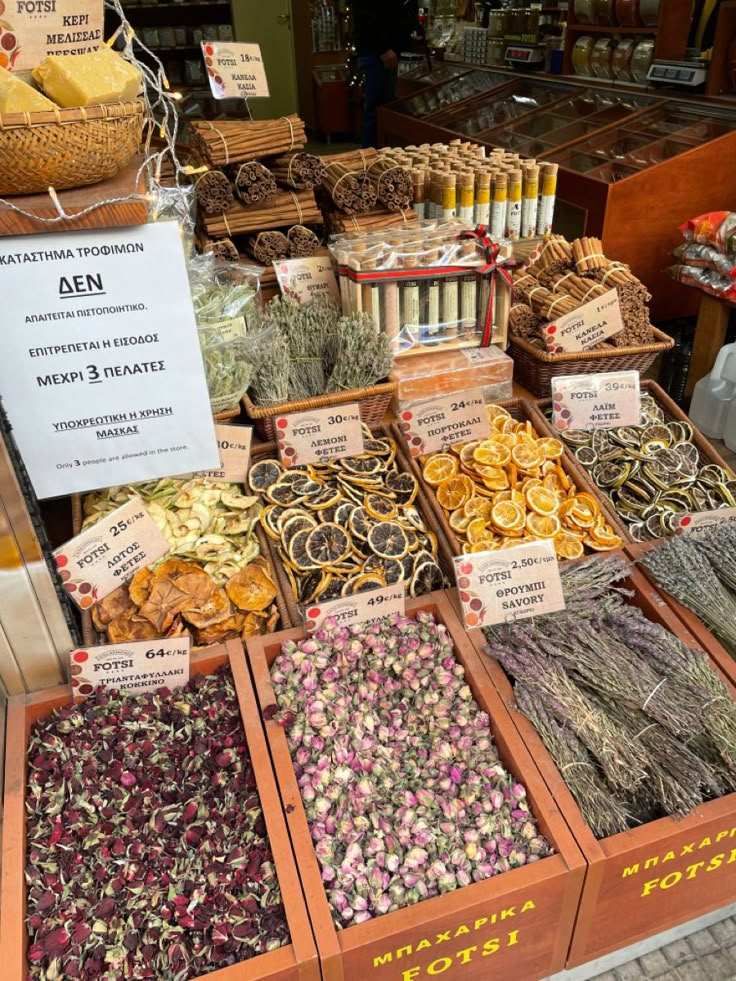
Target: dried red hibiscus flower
{"x": 147, "y": 849}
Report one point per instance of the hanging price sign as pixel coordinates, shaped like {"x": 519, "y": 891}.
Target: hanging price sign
{"x": 144, "y": 665}
{"x": 320, "y": 434}
{"x": 385, "y": 602}
{"x": 235, "y": 71}
{"x": 435, "y": 425}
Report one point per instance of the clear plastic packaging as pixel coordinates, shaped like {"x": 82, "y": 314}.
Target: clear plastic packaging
{"x": 425, "y": 286}
{"x": 705, "y": 279}
{"x": 602, "y": 59}
{"x": 707, "y": 257}
{"x": 225, "y": 298}
{"x": 641, "y": 60}
{"x": 582, "y": 54}
{"x": 174, "y": 204}
{"x": 445, "y": 372}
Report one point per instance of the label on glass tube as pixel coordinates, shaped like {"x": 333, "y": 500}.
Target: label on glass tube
{"x": 143, "y": 665}
{"x": 509, "y": 584}
{"x": 435, "y": 425}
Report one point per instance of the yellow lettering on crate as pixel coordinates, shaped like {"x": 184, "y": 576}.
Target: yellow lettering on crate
{"x": 691, "y": 872}
{"x": 464, "y": 955}
{"x": 461, "y": 931}
{"x": 439, "y": 966}
{"x": 423, "y": 944}
{"x": 491, "y": 946}
{"x": 687, "y": 849}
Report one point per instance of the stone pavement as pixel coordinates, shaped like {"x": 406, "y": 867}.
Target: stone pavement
{"x": 707, "y": 955}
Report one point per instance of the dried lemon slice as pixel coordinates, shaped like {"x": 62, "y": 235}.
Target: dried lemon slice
{"x": 439, "y": 468}
{"x": 297, "y": 551}
{"x": 541, "y": 500}
{"x": 455, "y": 491}
{"x": 327, "y": 544}
{"x": 427, "y": 577}
{"x": 380, "y": 507}
{"x": 388, "y": 540}
{"x": 543, "y": 525}
{"x": 263, "y": 474}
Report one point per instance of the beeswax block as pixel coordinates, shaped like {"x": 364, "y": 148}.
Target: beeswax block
{"x": 436, "y": 373}
{"x": 91, "y": 79}
{"x": 17, "y": 96}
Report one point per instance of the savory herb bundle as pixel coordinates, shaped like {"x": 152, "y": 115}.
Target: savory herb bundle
{"x": 639, "y": 725}
{"x": 312, "y": 350}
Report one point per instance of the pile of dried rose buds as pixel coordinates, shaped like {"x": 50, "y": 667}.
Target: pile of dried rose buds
{"x": 404, "y": 791}
{"x": 147, "y": 854}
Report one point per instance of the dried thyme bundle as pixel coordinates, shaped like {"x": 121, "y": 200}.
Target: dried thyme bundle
{"x": 639, "y": 725}
{"x": 316, "y": 351}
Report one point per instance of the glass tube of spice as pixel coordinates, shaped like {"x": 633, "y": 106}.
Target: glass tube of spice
{"x": 499, "y": 205}
{"x": 468, "y": 294}
{"x": 467, "y": 196}
{"x": 529, "y": 202}
{"x": 449, "y": 196}
{"x": 418, "y": 179}
{"x": 549, "y": 193}
{"x": 482, "y": 211}
{"x": 391, "y": 306}
{"x": 409, "y": 299}
{"x": 513, "y": 213}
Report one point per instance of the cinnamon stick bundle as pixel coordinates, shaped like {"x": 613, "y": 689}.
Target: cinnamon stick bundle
{"x": 224, "y": 249}
{"x": 303, "y": 242}
{"x": 233, "y": 141}
{"x": 253, "y": 183}
{"x": 354, "y": 193}
{"x": 394, "y": 185}
{"x": 286, "y": 209}
{"x": 268, "y": 247}
{"x": 351, "y": 159}
{"x": 214, "y": 192}
{"x": 588, "y": 255}
{"x": 337, "y": 223}
{"x": 301, "y": 171}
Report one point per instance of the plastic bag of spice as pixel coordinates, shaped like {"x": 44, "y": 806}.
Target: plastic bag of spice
{"x": 716, "y": 228}
{"x": 706, "y": 257}
{"x": 705, "y": 279}
{"x": 225, "y": 297}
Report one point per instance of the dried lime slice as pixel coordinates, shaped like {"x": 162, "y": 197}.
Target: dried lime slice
{"x": 327, "y": 544}
{"x": 263, "y": 474}
{"x": 426, "y": 579}
{"x": 388, "y": 540}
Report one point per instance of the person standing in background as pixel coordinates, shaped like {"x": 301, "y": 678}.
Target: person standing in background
{"x": 382, "y": 28}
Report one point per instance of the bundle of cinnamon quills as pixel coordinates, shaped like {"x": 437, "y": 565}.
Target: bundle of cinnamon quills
{"x": 234, "y": 141}
{"x": 566, "y": 275}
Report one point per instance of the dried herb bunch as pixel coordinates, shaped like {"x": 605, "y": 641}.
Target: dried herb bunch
{"x": 639, "y": 725}
{"x": 699, "y": 570}
{"x": 404, "y": 791}
{"x": 312, "y": 350}
{"x": 147, "y": 849}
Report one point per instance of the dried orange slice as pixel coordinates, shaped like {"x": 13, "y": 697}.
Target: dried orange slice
{"x": 492, "y": 454}
{"x": 543, "y": 525}
{"x": 588, "y": 501}
{"x": 551, "y": 447}
{"x": 478, "y": 507}
{"x": 459, "y": 521}
{"x": 568, "y": 547}
{"x": 604, "y": 535}
{"x": 505, "y": 439}
{"x": 508, "y": 516}
{"x": 454, "y": 492}
{"x": 527, "y": 456}
{"x": 440, "y": 467}
{"x": 476, "y": 531}
{"x": 541, "y": 500}
{"x": 466, "y": 451}
{"x": 495, "y": 412}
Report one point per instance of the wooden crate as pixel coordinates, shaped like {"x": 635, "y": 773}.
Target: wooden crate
{"x": 295, "y": 962}
{"x": 672, "y": 412}
{"x": 523, "y": 918}
{"x": 647, "y": 880}
{"x": 702, "y": 634}
{"x": 521, "y": 410}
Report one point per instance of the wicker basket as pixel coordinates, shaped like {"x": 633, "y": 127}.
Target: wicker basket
{"x": 521, "y": 410}
{"x": 374, "y": 403}
{"x": 673, "y": 413}
{"x": 535, "y": 368}
{"x": 65, "y": 148}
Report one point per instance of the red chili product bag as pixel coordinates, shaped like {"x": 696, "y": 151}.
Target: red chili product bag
{"x": 716, "y": 228}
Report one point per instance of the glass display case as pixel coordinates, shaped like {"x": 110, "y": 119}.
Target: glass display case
{"x": 449, "y": 93}
{"x": 519, "y": 97}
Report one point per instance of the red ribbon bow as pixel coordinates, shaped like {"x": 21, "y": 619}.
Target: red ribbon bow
{"x": 480, "y": 234}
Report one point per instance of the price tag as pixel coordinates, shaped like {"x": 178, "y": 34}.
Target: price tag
{"x": 585, "y": 327}
{"x": 509, "y": 584}
{"x": 435, "y": 425}
{"x": 320, "y": 434}
{"x": 700, "y": 521}
{"x": 235, "y": 71}
{"x": 233, "y": 443}
{"x": 143, "y": 665}
{"x": 384, "y": 602}
{"x": 108, "y": 554}
{"x": 304, "y": 279}
{"x": 31, "y": 31}
{"x": 603, "y": 401}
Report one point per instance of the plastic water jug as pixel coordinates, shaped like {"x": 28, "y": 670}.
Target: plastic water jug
{"x": 714, "y": 394}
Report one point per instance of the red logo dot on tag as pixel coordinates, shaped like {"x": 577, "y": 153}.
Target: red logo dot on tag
{"x": 282, "y": 423}
{"x": 466, "y": 568}
{"x": 313, "y": 613}
{"x": 552, "y": 329}
{"x": 61, "y": 561}
{"x": 407, "y": 415}
{"x": 81, "y": 656}
{"x": 686, "y": 521}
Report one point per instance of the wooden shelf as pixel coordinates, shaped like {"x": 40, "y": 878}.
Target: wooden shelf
{"x": 176, "y": 6}
{"x": 609, "y": 29}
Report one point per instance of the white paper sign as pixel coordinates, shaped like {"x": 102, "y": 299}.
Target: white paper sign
{"x": 142, "y": 665}
{"x": 109, "y": 553}
{"x": 233, "y": 444}
{"x": 604, "y": 401}
{"x": 101, "y": 371}
{"x": 699, "y": 521}
{"x": 509, "y": 584}
{"x": 585, "y": 327}
{"x": 318, "y": 435}
{"x": 436, "y": 424}
{"x": 235, "y": 71}
{"x": 32, "y": 29}
{"x": 306, "y": 279}
{"x": 352, "y": 610}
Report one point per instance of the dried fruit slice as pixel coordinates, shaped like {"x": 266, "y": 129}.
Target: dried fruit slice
{"x": 169, "y": 568}
{"x": 124, "y": 629}
{"x": 251, "y": 589}
{"x": 403, "y": 485}
{"x": 285, "y": 494}
{"x": 455, "y": 491}
{"x": 567, "y": 546}
{"x": 427, "y": 577}
{"x": 459, "y": 520}
{"x": 466, "y": 451}
{"x": 380, "y": 507}
{"x": 327, "y": 544}
{"x": 543, "y": 525}
{"x": 269, "y": 520}
{"x": 527, "y": 456}
{"x": 217, "y": 609}
{"x": 508, "y": 516}
{"x": 164, "y": 602}
{"x": 439, "y": 468}
{"x": 140, "y": 586}
{"x": 478, "y": 507}
{"x": 198, "y": 586}
{"x": 388, "y": 540}
{"x": 297, "y": 551}
{"x": 263, "y": 474}
{"x": 363, "y": 583}
{"x": 360, "y": 523}
{"x": 392, "y": 570}
{"x": 541, "y": 500}
{"x": 343, "y": 512}
{"x": 476, "y": 530}
{"x": 115, "y": 604}
{"x": 491, "y": 453}
{"x": 551, "y": 447}
{"x": 362, "y": 465}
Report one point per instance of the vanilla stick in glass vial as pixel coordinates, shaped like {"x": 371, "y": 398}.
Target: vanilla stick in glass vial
{"x": 433, "y": 320}
{"x": 513, "y": 213}
{"x": 529, "y": 202}
{"x": 419, "y": 199}
{"x": 409, "y": 300}
{"x": 467, "y": 196}
{"x": 482, "y": 211}
{"x": 449, "y": 196}
{"x": 450, "y": 311}
{"x": 391, "y": 304}
{"x": 356, "y": 292}
{"x": 372, "y": 294}
{"x": 499, "y": 205}
{"x": 468, "y": 292}
{"x": 549, "y": 194}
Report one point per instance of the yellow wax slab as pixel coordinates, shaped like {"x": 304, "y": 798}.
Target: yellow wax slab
{"x": 91, "y": 79}
{"x": 17, "y": 96}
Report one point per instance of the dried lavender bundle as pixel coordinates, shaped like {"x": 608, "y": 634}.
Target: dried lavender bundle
{"x": 147, "y": 854}
{"x": 605, "y": 814}
{"x": 718, "y": 544}
{"x": 403, "y": 788}
{"x": 681, "y": 568}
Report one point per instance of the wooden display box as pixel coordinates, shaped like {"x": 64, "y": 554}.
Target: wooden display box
{"x": 522, "y": 920}
{"x": 702, "y": 634}
{"x": 656, "y": 876}
{"x": 295, "y": 962}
